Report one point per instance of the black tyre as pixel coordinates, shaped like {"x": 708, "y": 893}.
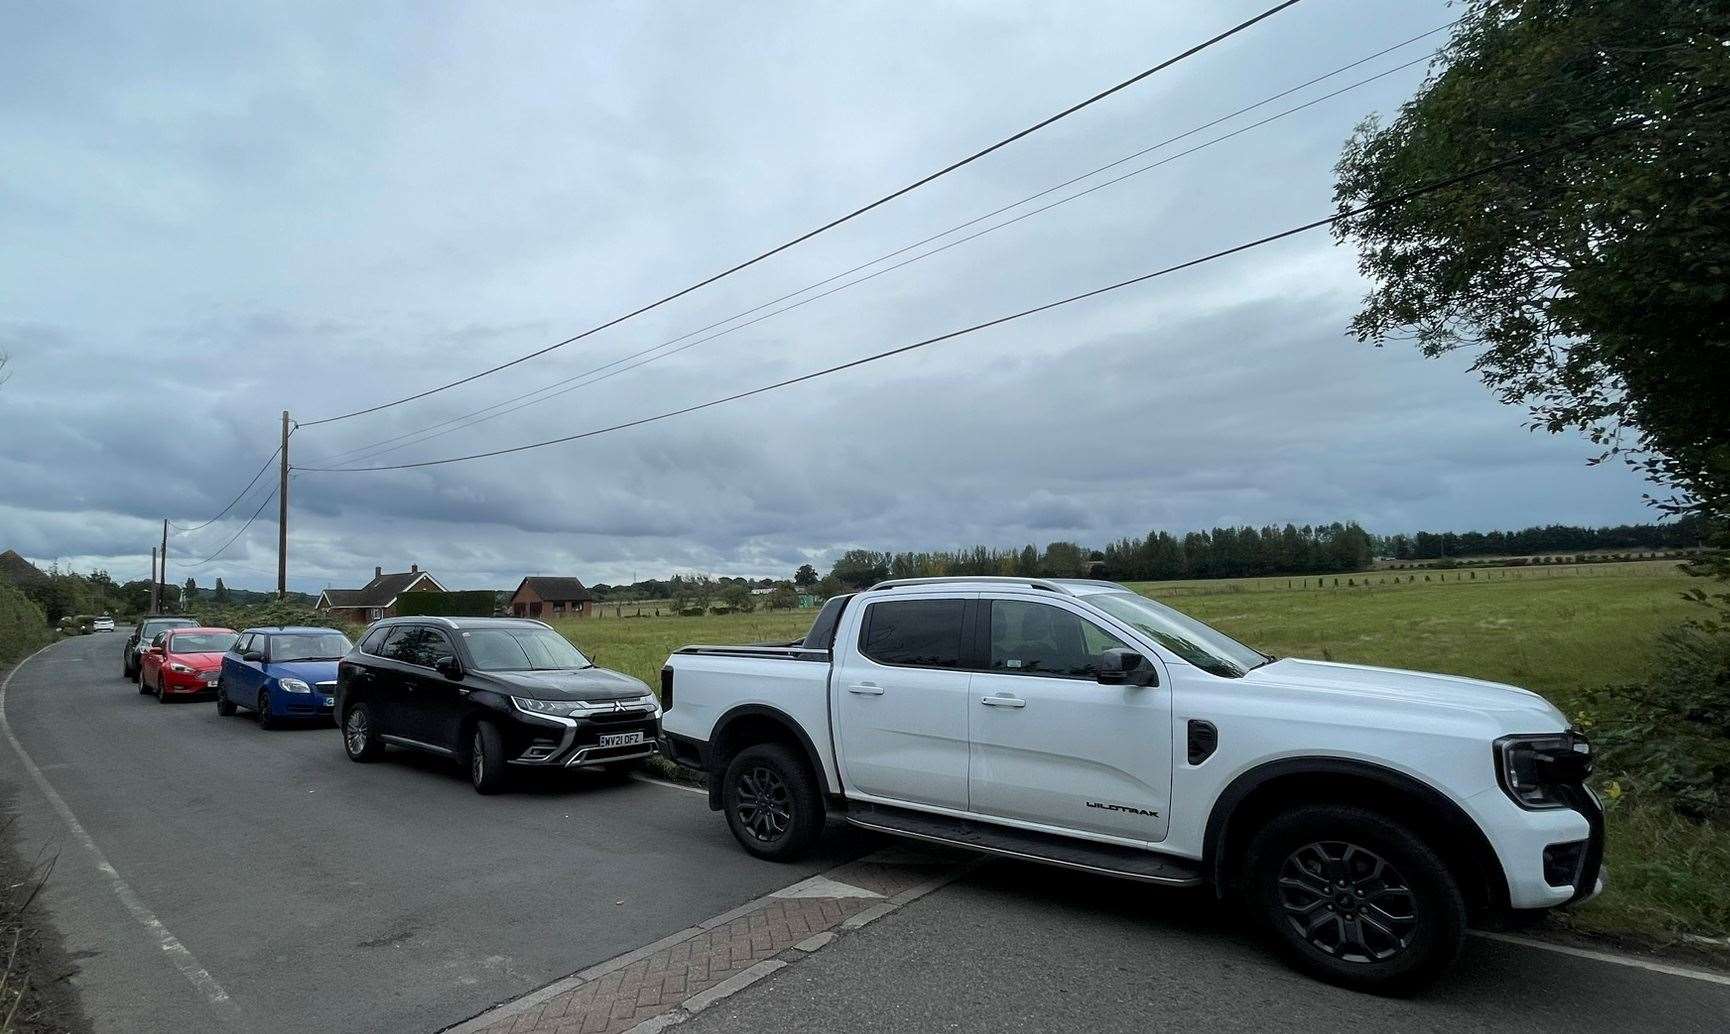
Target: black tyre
{"x": 487, "y": 759}
{"x": 224, "y": 706}
{"x": 262, "y": 706}
{"x": 360, "y": 734}
{"x": 161, "y": 697}
{"x": 772, "y": 804}
{"x": 143, "y": 687}
{"x": 1355, "y": 898}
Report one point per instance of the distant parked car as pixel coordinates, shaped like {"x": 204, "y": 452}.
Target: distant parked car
{"x": 102, "y": 624}
{"x": 143, "y": 633}
{"x": 490, "y": 693}
{"x": 184, "y": 662}
{"x": 282, "y": 673}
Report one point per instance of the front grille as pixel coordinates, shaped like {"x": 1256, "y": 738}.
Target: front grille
{"x": 326, "y": 688}
{"x": 212, "y": 673}
{"x": 615, "y": 717}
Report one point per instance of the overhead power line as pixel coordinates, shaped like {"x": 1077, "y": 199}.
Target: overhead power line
{"x": 1575, "y": 141}
{"x": 200, "y": 563}
{"x": 224, "y": 511}
{"x": 855, "y": 213}
{"x": 553, "y": 390}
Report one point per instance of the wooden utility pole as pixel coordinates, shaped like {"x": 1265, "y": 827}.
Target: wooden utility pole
{"x": 282, "y": 515}
{"x": 153, "y": 600}
{"x": 162, "y": 595}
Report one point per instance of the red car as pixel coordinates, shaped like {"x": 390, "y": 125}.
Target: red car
{"x": 184, "y": 662}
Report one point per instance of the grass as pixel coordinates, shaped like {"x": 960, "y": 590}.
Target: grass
{"x": 1557, "y": 631}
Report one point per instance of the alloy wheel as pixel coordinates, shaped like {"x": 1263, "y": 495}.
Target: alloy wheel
{"x": 765, "y": 805}
{"x": 356, "y": 732}
{"x": 1348, "y": 902}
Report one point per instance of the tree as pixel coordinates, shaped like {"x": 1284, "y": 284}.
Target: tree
{"x": 737, "y": 595}
{"x": 220, "y": 594}
{"x": 805, "y": 577}
{"x": 1590, "y": 287}
{"x": 861, "y": 568}
{"x": 191, "y": 592}
{"x": 783, "y": 598}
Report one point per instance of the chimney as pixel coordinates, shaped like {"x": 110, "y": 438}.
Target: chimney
{"x": 414, "y": 569}
{"x": 378, "y": 572}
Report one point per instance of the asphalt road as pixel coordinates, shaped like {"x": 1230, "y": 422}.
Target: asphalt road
{"x": 324, "y": 895}
{"x": 1029, "y": 948}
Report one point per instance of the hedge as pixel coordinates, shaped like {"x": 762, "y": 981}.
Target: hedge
{"x": 474, "y": 603}
{"x": 23, "y": 627}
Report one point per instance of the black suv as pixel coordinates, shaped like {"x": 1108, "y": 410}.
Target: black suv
{"x": 491, "y": 693}
{"x": 139, "y": 641}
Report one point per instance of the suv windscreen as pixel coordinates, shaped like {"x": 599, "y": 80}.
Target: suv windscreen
{"x": 151, "y": 628}
{"x": 1205, "y": 647}
{"x": 522, "y": 649}
{"x": 920, "y": 633}
{"x": 308, "y": 646}
{"x": 201, "y": 642}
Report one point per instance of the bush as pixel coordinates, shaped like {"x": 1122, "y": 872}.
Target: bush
{"x": 258, "y": 615}
{"x": 23, "y": 628}
{"x": 1667, "y": 737}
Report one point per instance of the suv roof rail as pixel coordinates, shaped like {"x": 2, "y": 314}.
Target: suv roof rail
{"x": 1046, "y": 584}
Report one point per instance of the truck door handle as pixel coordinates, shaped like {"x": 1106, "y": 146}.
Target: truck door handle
{"x": 868, "y": 689}
{"x": 1003, "y": 701}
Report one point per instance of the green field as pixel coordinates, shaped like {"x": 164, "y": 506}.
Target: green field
{"x": 1554, "y": 630}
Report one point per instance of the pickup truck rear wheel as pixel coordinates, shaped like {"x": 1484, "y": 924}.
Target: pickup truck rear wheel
{"x": 772, "y": 803}
{"x": 1355, "y": 898}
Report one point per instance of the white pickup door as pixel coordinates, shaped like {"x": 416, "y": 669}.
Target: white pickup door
{"x": 988, "y": 704}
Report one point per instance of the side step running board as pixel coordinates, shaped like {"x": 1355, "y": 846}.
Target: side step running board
{"x": 1087, "y": 856}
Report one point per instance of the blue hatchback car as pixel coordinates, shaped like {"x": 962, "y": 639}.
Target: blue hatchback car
{"x": 282, "y": 673}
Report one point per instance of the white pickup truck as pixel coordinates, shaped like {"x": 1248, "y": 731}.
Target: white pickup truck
{"x": 1362, "y": 814}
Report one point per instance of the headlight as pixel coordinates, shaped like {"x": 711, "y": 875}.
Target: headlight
{"x": 556, "y": 708}
{"x": 650, "y": 701}
{"x": 1533, "y": 770}
{"x": 294, "y": 686}
{"x": 181, "y": 668}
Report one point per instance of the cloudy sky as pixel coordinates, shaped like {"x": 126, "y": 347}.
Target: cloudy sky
{"x": 213, "y": 212}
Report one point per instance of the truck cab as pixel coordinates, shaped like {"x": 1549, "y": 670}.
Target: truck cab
{"x": 1362, "y": 813}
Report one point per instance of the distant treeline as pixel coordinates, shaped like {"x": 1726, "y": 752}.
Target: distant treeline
{"x": 1550, "y": 538}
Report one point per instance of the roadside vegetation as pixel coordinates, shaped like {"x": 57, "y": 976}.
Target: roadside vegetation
{"x": 1566, "y": 633}
{"x": 23, "y": 627}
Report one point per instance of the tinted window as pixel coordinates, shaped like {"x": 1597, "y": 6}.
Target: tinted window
{"x": 374, "y": 641}
{"x": 925, "y": 633}
{"x": 308, "y": 646}
{"x": 1037, "y": 639}
{"x": 421, "y": 646}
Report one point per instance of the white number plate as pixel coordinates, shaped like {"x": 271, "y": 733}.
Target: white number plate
{"x": 622, "y": 739}
{"x": 209, "y": 683}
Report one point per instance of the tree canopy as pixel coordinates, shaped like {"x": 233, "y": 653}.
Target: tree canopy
{"x": 1591, "y": 286}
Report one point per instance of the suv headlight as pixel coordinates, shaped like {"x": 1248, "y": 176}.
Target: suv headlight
{"x": 1533, "y": 770}
{"x": 290, "y": 685}
{"x": 556, "y": 708}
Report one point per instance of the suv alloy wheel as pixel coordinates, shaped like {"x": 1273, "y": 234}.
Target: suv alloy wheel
{"x": 359, "y": 735}
{"x": 1355, "y": 898}
{"x": 487, "y": 759}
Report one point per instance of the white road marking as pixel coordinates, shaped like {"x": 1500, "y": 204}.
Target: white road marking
{"x": 1604, "y": 956}
{"x": 821, "y": 886}
{"x": 176, "y": 952}
{"x": 639, "y": 777}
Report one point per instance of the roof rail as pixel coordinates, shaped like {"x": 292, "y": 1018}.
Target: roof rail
{"x": 990, "y": 579}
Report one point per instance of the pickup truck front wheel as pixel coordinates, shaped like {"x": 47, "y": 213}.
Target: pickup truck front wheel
{"x": 1355, "y": 898}
{"x": 772, "y": 803}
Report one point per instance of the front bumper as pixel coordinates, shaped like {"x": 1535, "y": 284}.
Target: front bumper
{"x": 175, "y": 683}
{"x": 549, "y": 741}
{"x": 1520, "y": 839}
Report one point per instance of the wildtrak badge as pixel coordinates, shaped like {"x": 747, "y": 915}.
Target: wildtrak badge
{"x": 1123, "y": 807}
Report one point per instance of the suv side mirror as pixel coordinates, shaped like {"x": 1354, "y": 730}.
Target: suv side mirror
{"x": 1121, "y": 667}
{"x": 449, "y": 667}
